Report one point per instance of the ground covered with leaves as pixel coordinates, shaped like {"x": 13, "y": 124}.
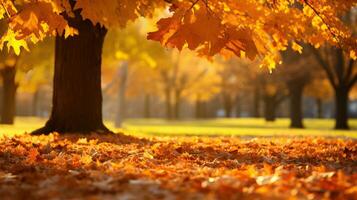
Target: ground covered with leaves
{"x": 125, "y": 167}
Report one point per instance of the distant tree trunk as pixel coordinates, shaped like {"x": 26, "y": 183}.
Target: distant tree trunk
{"x": 204, "y": 113}
{"x": 147, "y": 107}
{"x": 77, "y": 96}
{"x": 227, "y": 104}
{"x": 270, "y": 108}
{"x": 168, "y": 103}
{"x": 121, "y": 109}
{"x": 9, "y": 95}
{"x": 238, "y": 107}
{"x": 256, "y": 102}
{"x": 177, "y": 104}
{"x": 341, "y": 107}
{"x": 296, "y": 116}
{"x": 198, "y": 108}
{"x": 35, "y": 99}
{"x": 319, "y": 110}
{"x": 342, "y": 78}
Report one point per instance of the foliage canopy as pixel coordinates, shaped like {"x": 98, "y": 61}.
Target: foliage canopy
{"x": 248, "y": 28}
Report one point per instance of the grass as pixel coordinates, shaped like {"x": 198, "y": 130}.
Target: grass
{"x": 236, "y": 127}
{"x": 213, "y": 127}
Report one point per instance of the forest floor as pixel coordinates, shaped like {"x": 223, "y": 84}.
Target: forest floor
{"x": 167, "y": 160}
{"x": 126, "y": 167}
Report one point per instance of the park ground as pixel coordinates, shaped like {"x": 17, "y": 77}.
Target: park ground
{"x": 156, "y": 159}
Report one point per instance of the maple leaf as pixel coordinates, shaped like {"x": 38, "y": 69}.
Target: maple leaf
{"x": 13, "y": 43}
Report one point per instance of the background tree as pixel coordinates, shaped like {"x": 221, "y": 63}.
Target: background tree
{"x": 320, "y": 89}
{"x": 274, "y": 93}
{"x": 342, "y": 75}
{"x": 296, "y": 72}
{"x": 8, "y": 75}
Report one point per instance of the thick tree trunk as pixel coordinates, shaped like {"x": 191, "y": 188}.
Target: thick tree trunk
{"x": 341, "y": 107}
{"x": 77, "y": 96}
{"x": 270, "y": 108}
{"x": 147, "y": 107}
{"x": 319, "y": 111}
{"x": 9, "y": 95}
{"x": 256, "y": 102}
{"x": 296, "y": 115}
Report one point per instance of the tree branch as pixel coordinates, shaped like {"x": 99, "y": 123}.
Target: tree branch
{"x": 325, "y": 66}
{"x": 352, "y": 82}
{"x": 348, "y": 74}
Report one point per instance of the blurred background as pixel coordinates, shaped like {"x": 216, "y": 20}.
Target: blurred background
{"x": 151, "y": 89}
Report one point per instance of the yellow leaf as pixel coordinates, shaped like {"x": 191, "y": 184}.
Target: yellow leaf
{"x": 11, "y": 42}
{"x": 296, "y": 47}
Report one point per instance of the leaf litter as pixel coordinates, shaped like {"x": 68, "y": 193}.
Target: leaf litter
{"x": 124, "y": 167}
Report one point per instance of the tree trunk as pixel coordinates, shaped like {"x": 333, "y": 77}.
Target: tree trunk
{"x": 296, "y": 115}
{"x": 256, "y": 102}
{"x": 121, "y": 109}
{"x": 9, "y": 95}
{"x": 77, "y": 96}
{"x": 319, "y": 110}
{"x": 269, "y": 110}
{"x": 35, "y": 99}
{"x": 198, "y": 108}
{"x": 147, "y": 107}
{"x": 227, "y": 103}
{"x": 168, "y": 103}
{"x": 341, "y": 108}
{"x": 177, "y": 105}
{"x": 238, "y": 107}
{"x": 203, "y": 109}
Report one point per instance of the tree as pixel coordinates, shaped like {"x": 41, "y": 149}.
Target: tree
{"x": 342, "y": 75}
{"x": 319, "y": 89}
{"x": 34, "y": 69}
{"x": 249, "y": 28}
{"x": 274, "y": 93}
{"x": 8, "y": 75}
{"x": 296, "y": 73}
{"x": 179, "y": 76}
{"x": 133, "y": 61}
{"x": 233, "y": 75}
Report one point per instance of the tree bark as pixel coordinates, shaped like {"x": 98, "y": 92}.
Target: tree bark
{"x": 296, "y": 115}
{"x": 77, "y": 96}
{"x": 9, "y": 95}
{"x": 270, "y": 108}
{"x": 319, "y": 110}
{"x": 341, "y": 108}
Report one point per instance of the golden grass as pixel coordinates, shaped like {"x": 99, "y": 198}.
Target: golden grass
{"x": 214, "y": 127}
